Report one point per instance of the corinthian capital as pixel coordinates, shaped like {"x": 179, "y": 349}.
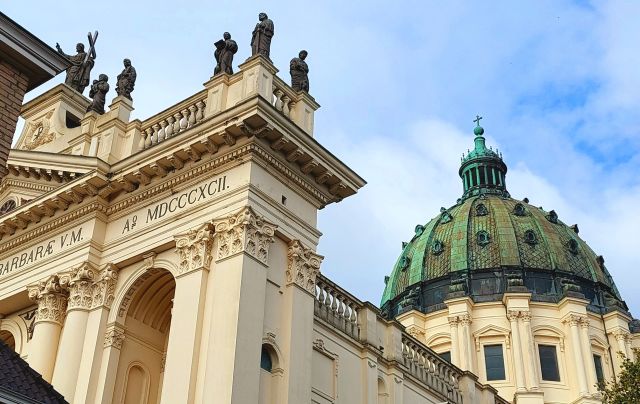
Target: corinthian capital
{"x": 114, "y": 336}
{"x": 80, "y": 284}
{"x": 51, "y": 298}
{"x": 465, "y": 319}
{"x": 513, "y": 315}
{"x": 575, "y": 319}
{"x": 303, "y": 266}
{"x": 194, "y": 249}
{"x": 104, "y": 287}
{"x": 246, "y": 232}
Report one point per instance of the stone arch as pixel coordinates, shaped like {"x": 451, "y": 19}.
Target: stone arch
{"x": 11, "y": 328}
{"x": 270, "y": 379}
{"x": 142, "y": 310}
{"x": 122, "y": 298}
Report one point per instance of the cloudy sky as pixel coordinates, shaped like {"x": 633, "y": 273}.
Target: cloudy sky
{"x": 557, "y": 83}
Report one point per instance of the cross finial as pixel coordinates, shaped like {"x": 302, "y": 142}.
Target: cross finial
{"x": 477, "y": 120}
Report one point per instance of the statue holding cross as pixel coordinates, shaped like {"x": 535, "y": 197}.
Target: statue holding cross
{"x": 78, "y": 74}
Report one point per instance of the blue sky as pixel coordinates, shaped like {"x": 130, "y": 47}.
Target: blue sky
{"x": 400, "y": 83}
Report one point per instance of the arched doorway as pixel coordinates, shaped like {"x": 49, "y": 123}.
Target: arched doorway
{"x": 146, "y": 326}
{"x": 8, "y": 339}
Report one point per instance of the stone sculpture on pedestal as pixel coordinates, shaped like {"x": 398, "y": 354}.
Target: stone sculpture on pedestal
{"x": 126, "y": 80}
{"x": 98, "y": 93}
{"x": 225, "y": 49}
{"x": 299, "y": 72}
{"x": 261, "y": 37}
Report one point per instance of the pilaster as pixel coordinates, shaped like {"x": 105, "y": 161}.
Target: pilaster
{"x": 242, "y": 241}
{"x": 573, "y": 321}
{"x": 303, "y": 265}
{"x": 518, "y": 360}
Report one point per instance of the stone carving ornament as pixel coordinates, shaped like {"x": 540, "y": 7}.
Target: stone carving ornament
{"x": 105, "y": 286}
{"x": 244, "y": 231}
{"x": 194, "y": 249}
{"x": 51, "y": 298}
{"x": 80, "y": 284}
{"x": 114, "y": 337}
{"x": 38, "y": 133}
{"x": 303, "y": 266}
{"x": 261, "y": 36}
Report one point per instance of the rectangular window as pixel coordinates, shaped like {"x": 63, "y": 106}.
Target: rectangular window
{"x": 494, "y": 362}
{"x": 597, "y": 361}
{"x": 549, "y": 363}
{"x": 446, "y": 356}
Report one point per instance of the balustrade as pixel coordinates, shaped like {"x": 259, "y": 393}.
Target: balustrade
{"x": 431, "y": 369}
{"x": 282, "y": 97}
{"x": 337, "y": 307}
{"x": 160, "y": 128}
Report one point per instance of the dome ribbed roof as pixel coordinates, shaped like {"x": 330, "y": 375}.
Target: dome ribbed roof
{"x": 492, "y": 232}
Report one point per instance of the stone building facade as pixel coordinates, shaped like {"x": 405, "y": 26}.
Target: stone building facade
{"x": 173, "y": 259}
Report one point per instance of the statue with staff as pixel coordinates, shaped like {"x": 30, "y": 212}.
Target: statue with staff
{"x": 78, "y": 74}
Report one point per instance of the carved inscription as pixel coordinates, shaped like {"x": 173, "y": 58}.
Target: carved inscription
{"x": 41, "y": 251}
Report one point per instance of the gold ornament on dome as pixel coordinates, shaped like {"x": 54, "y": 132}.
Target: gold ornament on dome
{"x": 38, "y": 133}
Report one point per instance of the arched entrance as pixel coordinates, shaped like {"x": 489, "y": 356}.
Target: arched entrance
{"x": 8, "y": 339}
{"x": 147, "y": 320}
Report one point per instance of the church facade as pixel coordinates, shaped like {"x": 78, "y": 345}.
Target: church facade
{"x": 172, "y": 260}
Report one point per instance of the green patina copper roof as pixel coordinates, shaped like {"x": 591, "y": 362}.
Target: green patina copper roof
{"x": 487, "y": 229}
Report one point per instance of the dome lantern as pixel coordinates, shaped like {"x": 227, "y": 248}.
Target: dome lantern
{"x": 482, "y": 170}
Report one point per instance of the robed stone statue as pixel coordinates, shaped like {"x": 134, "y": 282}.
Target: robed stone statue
{"x": 98, "y": 94}
{"x": 225, "y": 49}
{"x": 79, "y": 72}
{"x": 126, "y": 80}
{"x": 299, "y": 72}
{"x": 261, "y": 38}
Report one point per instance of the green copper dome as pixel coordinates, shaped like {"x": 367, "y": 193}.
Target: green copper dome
{"x": 489, "y": 242}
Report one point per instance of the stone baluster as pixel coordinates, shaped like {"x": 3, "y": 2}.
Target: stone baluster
{"x": 176, "y": 123}
{"x": 154, "y": 136}
{"x": 192, "y": 115}
{"x": 161, "y": 133}
{"x": 147, "y": 139}
{"x": 141, "y": 143}
{"x": 168, "y": 131}
{"x": 278, "y": 103}
{"x": 184, "y": 122}
{"x": 285, "y": 105}
{"x": 200, "y": 114}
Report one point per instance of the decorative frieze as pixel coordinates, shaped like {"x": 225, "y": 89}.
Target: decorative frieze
{"x": 246, "y": 232}
{"x": 303, "y": 266}
{"x": 194, "y": 249}
{"x": 51, "y": 298}
{"x": 114, "y": 336}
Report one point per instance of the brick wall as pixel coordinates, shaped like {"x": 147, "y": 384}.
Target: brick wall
{"x": 13, "y": 85}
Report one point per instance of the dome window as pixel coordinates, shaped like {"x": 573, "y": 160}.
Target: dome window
{"x": 573, "y": 246}
{"x": 483, "y": 238}
{"x": 445, "y": 216}
{"x": 404, "y": 263}
{"x": 481, "y": 210}
{"x": 530, "y": 237}
{"x": 419, "y": 230}
{"x": 437, "y": 248}
{"x": 519, "y": 210}
{"x": 552, "y": 217}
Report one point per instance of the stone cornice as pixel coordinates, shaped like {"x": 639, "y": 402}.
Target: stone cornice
{"x": 303, "y": 266}
{"x": 244, "y": 231}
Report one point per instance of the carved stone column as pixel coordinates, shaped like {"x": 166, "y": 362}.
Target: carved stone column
{"x": 303, "y": 266}
{"x": 518, "y": 360}
{"x": 453, "y": 325}
{"x": 111, "y": 343}
{"x": 103, "y": 290}
{"x": 51, "y": 298}
{"x": 620, "y": 335}
{"x": 242, "y": 243}
{"x": 527, "y": 340}
{"x": 183, "y": 349}
{"x": 574, "y": 322}
{"x": 590, "y": 369}
{"x": 80, "y": 285}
